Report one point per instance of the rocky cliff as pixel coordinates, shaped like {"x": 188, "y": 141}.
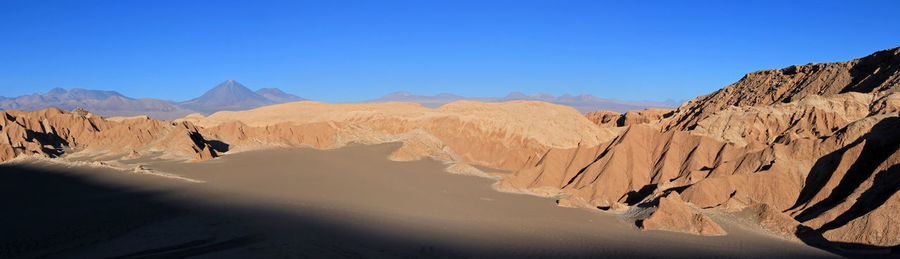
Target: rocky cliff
{"x": 52, "y": 132}
{"x": 879, "y": 72}
{"x": 813, "y": 149}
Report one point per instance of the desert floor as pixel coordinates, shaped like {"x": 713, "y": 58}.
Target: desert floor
{"x": 302, "y": 202}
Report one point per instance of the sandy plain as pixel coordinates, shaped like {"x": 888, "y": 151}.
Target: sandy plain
{"x": 303, "y": 202}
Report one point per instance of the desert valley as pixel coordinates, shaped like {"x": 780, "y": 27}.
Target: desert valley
{"x": 802, "y": 161}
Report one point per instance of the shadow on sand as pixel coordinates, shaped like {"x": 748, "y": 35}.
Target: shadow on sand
{"x": 49, "y": 212}
{"x": 814, "y": 238}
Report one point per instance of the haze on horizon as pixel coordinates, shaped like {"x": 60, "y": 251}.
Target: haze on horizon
{"x": 339, "y": 52}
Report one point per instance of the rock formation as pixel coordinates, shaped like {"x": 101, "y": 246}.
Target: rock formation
{"x": 673, "y": 214}
{"x": 812, "y": 149}
{"x": 614, "y": 119}
{"x": 499, "y": 135}
{"x": 52, "y": 132}
{"x": 872, "y": 74}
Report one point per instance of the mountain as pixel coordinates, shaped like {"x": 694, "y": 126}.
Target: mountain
{"x": 427, "y": 101}
{"x": 583, "y": 102}
{"x": 588, "y": 103}
{"x": 229, "y": 95}
{"x": 106, "y": 103}
{"x": 278, "y": 96}
{"x": 61, "y": 97}
{"x": 233, "y": 96}
{"x": 78, "y": 94}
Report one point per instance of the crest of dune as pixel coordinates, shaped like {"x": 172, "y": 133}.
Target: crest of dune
{"x": 547, "y": 124}
{"x": 497, "y": 135}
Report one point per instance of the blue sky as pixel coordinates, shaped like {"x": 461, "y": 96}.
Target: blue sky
{"x": 348, "y": 50}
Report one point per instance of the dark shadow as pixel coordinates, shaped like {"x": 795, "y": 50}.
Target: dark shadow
{"x": 649, "y": 204}
{"x": 813, "y": 238}
{"x": 872, "y": 71}
{"x": 639, "y": 223}
{"x": 678, "y": 189}
{"x": 765, "y": 167}
{"x": 218, "y": 146}
{"x": 45, "y": 139}
{"x": 45, "y": 212}
{"x": 194, "y": 248}
{"x": 885, "y": 185}
{"x": 819, "y": 175}
{"x": 879, "y": 144}
{"x": 668, "y": 114}
{"x": 49, "y": 213}
{"x": 633, "y": 197}
{"x": 620, "y": 121}
{"x": 197, "y": 139}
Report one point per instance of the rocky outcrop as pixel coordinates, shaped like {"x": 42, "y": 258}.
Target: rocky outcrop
{"x": 673, "y": 214}
{"x": 52, "y": 132}
{"x": 604, "y": 118}
{"x": 809, "y": 118}
{"x": 879, "y": 72}
{"x": 808, "y": 148}
{"x": 634, "y": 117}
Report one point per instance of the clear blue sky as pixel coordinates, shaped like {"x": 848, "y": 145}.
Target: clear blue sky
{"x": 347, "y": 50}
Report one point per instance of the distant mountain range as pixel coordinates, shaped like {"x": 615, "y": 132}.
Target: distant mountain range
{"x": 233, "y": 96}
{"x": 229, "y": 95}
{"x": 583, "y": 103}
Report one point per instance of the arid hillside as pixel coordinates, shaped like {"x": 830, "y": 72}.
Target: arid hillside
{"x": 52, "y": 133}
{"x": 811, "y": 152}
{"x": 876, "y": 73}
{"x": 811, "y": 149}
